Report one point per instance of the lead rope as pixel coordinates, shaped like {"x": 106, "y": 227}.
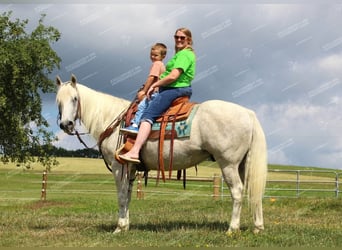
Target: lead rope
{"x": 81, "y": 141}
{"x": 108, "y": 131}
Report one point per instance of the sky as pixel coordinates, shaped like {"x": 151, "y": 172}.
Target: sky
{"x": 282, "y": 60}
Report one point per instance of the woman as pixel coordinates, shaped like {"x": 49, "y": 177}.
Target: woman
{"x": 174, "y": 82}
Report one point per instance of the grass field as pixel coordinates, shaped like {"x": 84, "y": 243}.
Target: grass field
{"x": 81, "y": 210}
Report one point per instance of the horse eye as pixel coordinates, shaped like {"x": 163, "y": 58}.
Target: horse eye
{"x": 74, "y": 99}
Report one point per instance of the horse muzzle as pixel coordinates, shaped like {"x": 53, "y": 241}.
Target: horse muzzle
{"x": 67, "y": 126}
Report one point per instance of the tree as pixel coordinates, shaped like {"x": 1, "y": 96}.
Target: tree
{"x": 26, "y": 60}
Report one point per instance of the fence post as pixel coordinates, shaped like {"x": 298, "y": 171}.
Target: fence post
{"x": 216, "y": 185}
{"x": 44, "y": 186}
{"x": 140, "y": 192}
{"x": 298, "y": 174}
{"x": 337, "y": 185}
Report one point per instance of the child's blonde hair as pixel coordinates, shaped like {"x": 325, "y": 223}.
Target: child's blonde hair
{"x": 162, "y": 47}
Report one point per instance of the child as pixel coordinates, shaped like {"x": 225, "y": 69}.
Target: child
{"x": 157, "y": 54}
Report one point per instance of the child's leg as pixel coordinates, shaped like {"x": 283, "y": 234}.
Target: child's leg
{"x": 135, "y": 123}
{"x": 141, "y": 107}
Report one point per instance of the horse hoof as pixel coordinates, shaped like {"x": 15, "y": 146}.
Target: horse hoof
{"x": 233, "y": 232}
{"x": 257, "y": 230}
{"x": 117, "y": 230}
{"x": 120, "y": 230}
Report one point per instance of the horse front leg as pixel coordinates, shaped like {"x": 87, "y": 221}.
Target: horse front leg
{"x": 124, "y": 178}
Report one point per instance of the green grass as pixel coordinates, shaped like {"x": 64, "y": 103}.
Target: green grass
{"x": 81, "y": 211}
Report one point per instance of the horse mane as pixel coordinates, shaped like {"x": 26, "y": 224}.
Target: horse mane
{"x": 102, "y": 106}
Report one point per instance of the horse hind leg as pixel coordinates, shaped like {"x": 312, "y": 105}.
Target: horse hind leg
{"x": 233, "y": 180}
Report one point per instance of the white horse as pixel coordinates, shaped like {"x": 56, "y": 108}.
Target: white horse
{"x": 229, "y": 133}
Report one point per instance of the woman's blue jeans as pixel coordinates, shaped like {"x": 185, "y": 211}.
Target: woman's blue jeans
{"x": 163, "y": 101}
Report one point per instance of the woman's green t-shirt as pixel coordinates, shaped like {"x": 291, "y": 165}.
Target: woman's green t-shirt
{"x": 184, "y": 59}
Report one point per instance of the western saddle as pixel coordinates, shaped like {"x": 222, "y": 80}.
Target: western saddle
{"x": 179, "y": 110}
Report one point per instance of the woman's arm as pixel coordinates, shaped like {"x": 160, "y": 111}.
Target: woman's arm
{"x": 170, "y": 78}
{"x": 149, "y": 81}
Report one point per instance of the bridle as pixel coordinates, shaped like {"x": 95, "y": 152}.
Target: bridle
{"x": 77, "y": 116}
{"x": 106, "y": 133}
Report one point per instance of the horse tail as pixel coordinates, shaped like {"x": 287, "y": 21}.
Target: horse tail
{"x": 256, "y": 166}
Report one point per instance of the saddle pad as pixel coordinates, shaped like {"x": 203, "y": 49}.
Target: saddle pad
{"x": 183, "y": 128}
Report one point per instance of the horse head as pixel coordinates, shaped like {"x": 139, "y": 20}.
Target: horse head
{"x": 68, "y": 102}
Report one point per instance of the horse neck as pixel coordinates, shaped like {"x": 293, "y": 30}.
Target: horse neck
{"x": 98, "y": 110}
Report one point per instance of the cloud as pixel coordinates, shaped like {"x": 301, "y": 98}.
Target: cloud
{"x": 331, "y": 64}
{"x": 281, "y": 60}
{"x": 302, "y": 133}
{"x": 276, "y": 12}
{"x": 111, "y": 26}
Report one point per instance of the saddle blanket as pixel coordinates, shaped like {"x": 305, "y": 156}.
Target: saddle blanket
{"x": 182, "y": 128}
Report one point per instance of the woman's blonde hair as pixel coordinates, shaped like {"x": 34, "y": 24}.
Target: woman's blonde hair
{"x": 188, "y": 34}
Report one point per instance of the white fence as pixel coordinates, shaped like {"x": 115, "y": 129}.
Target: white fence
{"x": 299, "y": 183}
{"x": 289, "y": 183}
{"x": 280, "y": 183}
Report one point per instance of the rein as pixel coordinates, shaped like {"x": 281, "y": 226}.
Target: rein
{"x": 80, "y": 139}
{"x": 79, "y": 118}
{"x": 106, "y": 133}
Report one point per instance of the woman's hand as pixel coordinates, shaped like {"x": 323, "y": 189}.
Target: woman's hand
{"x": 150, "y": 91}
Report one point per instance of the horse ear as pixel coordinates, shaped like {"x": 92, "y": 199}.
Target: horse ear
{"x": 58, "y": 81}
{"x": 73, "y": 80}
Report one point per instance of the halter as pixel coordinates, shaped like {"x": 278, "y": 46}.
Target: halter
{"x": 106, "y": 133}
{"x": 78, "y": 116}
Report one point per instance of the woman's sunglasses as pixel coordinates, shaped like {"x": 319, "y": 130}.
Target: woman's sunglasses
{"x": 180, "y": 37}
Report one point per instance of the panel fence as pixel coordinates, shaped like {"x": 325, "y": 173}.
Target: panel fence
{"x": 280, "y": 183}
{"x": 299, "y": 183}
{"x": 288, "y": 184}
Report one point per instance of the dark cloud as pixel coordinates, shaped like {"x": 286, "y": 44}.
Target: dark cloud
{"x": 281, "y": 60}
